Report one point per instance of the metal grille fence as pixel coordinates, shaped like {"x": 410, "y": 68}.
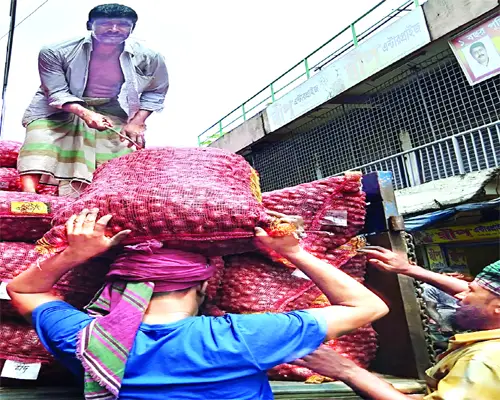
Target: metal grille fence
{"x": 430, "y": 102}
{"x": 466, "y": 152}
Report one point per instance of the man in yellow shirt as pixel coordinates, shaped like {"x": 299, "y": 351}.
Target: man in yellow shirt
{"x": 468, "y": 370}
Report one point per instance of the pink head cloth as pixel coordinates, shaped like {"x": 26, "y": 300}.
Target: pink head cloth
{"x": 169, "y": 269}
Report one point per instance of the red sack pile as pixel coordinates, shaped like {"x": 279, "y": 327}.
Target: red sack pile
{"x": 10, "y": 180}
{"x": 19, "y": 342}
{"x": 334, "y": 211}
{"x": 204, "y": 197}
{"x": 359, "y": 346}
{"x": 251, "y": 283}
{"x": 77, "y": 287}
{"x": 9, "y": 151}
{"x": 27, "y": 216}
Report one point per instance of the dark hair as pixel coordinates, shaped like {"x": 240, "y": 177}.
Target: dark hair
{"x": 112, "y": 10}
{"x": 476, "y": 45}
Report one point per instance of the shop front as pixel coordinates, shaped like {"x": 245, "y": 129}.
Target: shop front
{"x": 463, "y": 249}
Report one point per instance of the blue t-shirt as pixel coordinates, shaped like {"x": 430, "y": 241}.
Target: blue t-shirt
{"x": 196, "y": 358}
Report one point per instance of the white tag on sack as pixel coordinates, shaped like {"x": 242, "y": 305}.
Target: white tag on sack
{"x": 336, "y": 217}
{"x": 3, "y": 291}
{"x": 19, "y": 370}
{"x": 299, "y": 274}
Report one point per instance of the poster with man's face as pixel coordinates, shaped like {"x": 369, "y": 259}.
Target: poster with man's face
{"x": 478, "y": 50}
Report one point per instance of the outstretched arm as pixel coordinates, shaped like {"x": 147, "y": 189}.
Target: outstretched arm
{"x": 329, "y": 363}
{"x": 353, "y": 305}
{"x": 86, "y": 240}
{"x": 389, "y": 261}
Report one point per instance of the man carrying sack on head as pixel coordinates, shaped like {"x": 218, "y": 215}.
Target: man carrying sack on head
{"x": 95, "y": 96}
{"x": 142, "y": 338}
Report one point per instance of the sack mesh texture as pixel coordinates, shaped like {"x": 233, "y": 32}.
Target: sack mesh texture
{"x": 9, "y": 151}
{"x": 204, "y": 200}
{"x": 27, "y": 217}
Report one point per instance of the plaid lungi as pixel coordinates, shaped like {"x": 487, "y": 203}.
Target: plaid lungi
{"x": 65, "y": 148}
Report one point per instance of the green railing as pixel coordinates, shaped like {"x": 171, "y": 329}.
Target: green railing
{"x": 279, "y": 86}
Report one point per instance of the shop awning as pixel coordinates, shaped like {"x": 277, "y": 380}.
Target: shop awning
{"x": 443, "y": 193}
{"x": 425, "y": 220}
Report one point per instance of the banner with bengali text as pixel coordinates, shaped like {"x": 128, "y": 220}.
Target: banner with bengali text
{"x": 484, "y": 231}
{"x": 384, "y": 48}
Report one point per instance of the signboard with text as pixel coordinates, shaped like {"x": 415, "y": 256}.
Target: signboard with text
{"x": 435, "y": 256}
{"x": 484, "y": 231}
{"x": 391, "y": 44}
{"x": 478, "y": 50}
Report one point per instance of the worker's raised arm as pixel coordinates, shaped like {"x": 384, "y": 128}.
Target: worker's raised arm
{"x": 389, "y": 261}
{"x": 353, "y": 305}
{"x": 86, "y": 239}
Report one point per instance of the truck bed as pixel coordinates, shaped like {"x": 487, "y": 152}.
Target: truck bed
{"x": 282, "y": 391}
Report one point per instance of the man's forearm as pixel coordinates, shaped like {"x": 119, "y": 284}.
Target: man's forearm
{"x": 140, "y": 117}
{"x": 41, "y": 278}
{"x": 370, "y": 386}
{"x": 448, "y": 284}
{"x": 338, "y": 287}
{"x": 75, "y": 108}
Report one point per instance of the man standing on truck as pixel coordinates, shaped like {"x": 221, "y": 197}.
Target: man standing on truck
{"x": 95, "y": 96}
{"x": 148, "y": 341}
{"x": 469, "y": 369}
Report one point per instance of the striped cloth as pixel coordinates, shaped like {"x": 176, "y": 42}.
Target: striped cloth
{"x": 65, "y": 148}
{"x": 489, "y": 278}
{"x": 104, "y": 345}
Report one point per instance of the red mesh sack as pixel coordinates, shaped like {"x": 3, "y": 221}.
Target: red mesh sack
{"x": 253, "y": 283}
{"x": 19, "y": 342}
{"x": 333, "y": 210}
{"x": 27, "y": 216}
{"x": 210, "y": 305}
{"x": 49, "y": 190}
{"x": 192, "y": 195}
{"x": 77, "y": 287}
{"x": 10, "y": 180}
{"x": 314, "y": 298}
{"x": 9, "y": 151}
{"x": 334, "y": 204}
